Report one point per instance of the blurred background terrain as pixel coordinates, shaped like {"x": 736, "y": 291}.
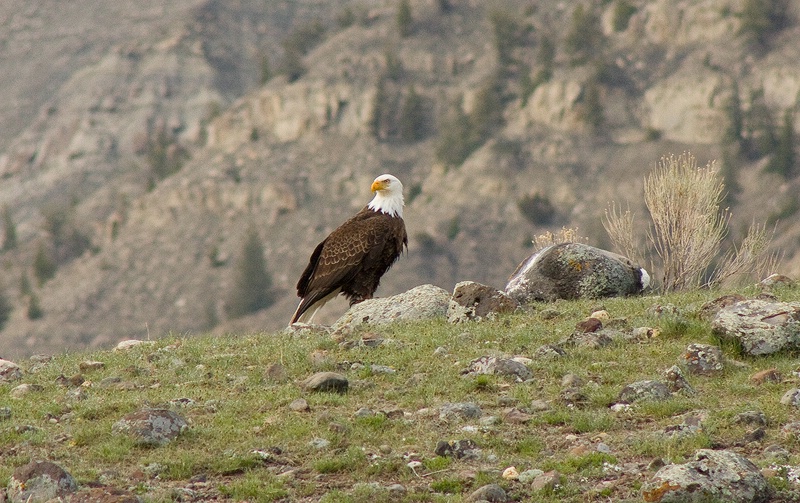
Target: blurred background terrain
{"x": 161, "y": 161}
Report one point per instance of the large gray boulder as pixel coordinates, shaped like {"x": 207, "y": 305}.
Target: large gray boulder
{"x": 575, "y": 270}
{"x": 420, "y": 303}
{"x": 761, "y": 327}
{"x": 711, "y": 476}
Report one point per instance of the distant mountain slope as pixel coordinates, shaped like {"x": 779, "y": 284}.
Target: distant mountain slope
{"x": 565, "y": 131}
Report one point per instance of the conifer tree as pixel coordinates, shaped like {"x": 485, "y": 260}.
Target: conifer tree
{"x": 252, "y": 283}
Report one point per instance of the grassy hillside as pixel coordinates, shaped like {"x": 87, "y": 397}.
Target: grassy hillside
{"x": 247, "y": 444}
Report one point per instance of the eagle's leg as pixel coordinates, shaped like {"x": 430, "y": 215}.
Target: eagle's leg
{"x": 359, "y": 298}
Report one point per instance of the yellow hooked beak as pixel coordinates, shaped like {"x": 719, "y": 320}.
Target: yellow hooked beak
{"x": 379, "y": 185}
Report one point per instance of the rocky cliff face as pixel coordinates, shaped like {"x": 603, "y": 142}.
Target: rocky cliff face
{"x": 296, "y": 158}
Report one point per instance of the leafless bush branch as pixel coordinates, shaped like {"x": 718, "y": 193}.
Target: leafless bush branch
{"x": 687, "y": 228}
{"x": 619, "y": 226}
{"x": 565, "y": 235}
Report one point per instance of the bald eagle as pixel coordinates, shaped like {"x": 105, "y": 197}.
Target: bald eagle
{"x": 352, "y": 259}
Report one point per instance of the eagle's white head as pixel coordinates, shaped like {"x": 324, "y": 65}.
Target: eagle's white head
{"x": 388, "y": 196}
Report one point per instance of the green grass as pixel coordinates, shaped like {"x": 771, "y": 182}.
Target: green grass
{"x": 236, "y": 411}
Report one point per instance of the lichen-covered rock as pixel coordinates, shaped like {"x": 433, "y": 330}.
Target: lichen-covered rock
{"x": 420, "y": 303}
{"x": 461, "y": 410}
{"x": 508, "y": 367}
{"x": 40, "y": 481}
{"x": 473, "y": 302}
{"x": 703, "y": 359}
{"x": 761, "y": 327}
{"x": 152, "y": 427}
{"x": 644, "y": 390}
{"x": 9, "y": 371}
{"x": 572, "y": 271}
{"x": 676, "y": 381}
{"x": 711, "y": 476}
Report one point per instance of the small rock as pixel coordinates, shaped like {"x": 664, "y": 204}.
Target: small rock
{"x": 396, "y": 488}
{"x": 91, "y": 366}
{"x": 591, "y": 340}
{"x": 474, "y": 302}
{"x": 676, "y": 381}
{"x": 492, "y": 493}
{"x": 132, "y": 343}
{"x": 765, "y": 376}
{"x": 364, "y": 412}
{"x": 510, "y": 473}
{"x": 24, "y": 389}
{"x": 464, "y": 410}
{"x": 459, "y": 449}
{"x": 539, "y": 405}
{"x": 589, "y": 325}
{"x": 382, "y": 369}
{"x": 40, "y": 481}
{"x": 573, "y": 397}
{"x": 620, "y": 407}
{"x": 151, "y": 427}
{"x": 791, "y": 397}
{"x": 529, "y": 476}
{"x": 601, "y": 315}
{"x": 549, "y": 352}
{"x": 499, "y": 366}
{"x": 645, "y": 333}
{"x": 777, "y": 452}
{"x": 320, "y": 443}
{"x": 703, "y": 359}
{"x": 755, "y": 417}
{"x": 5, "y": 413}
{"x": 516, "y": 416}
{"x": 299, "y": 405}
{"x": 571, "y": 381}
{"x": 644, "y": 390}
{"x": 326, "y": 381}
{"x": 9, "y": 371}
{"x": 546, "y": 481}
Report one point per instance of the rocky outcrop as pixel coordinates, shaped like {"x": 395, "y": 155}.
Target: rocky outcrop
{"x": 711, "y": 476}
{"x": 761, "y": 327}
{"x": 419, "y": 303}
{"x": 690, "y": 106}
{"x": 473, "y": 302}
{"x": 40, "y": 481}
